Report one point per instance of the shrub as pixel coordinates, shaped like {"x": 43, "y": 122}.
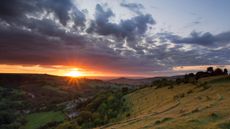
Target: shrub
{"x": 157, "y": 122}
{"x": 214, "y": 115}
{"x": 204, "y": 86}
{"x": 190, "y": 92}
{"x": 125, "y": 90}
{"x": 195, "y": 110}
{"x": 163, "y": 120}
{"x": 84, "y": 117}
{"x": 50, "y": 125}
{"x": 68, "y": 125}
{"x": 171, "y": 87}
{"x": 225, "y": 125}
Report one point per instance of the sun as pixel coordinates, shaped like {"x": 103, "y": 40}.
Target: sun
{"x": 74, "y": 74}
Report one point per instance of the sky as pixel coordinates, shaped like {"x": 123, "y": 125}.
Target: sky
{"x": 113, "y": 37}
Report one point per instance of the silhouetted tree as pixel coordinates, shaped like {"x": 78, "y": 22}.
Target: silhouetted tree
{"x": 125, "y": 90}
{"x": 178, "y": 81}
{"x": 191, "y": 75}
{"x": 210, "y": 70}
{"x": 190, "y": 78}
{"x": 201, "y": 74}
{"x": 218, "y": 71}
{"x": 225, "y": 71}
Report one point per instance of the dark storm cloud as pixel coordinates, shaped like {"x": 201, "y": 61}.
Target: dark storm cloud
{"x": 36, "y": 39}
{"x": 15, "y": 11}
{"x": 15, "y": 8}
{"x": 205, "y": 39}
{"x": 61, "y": 9}
{"x": 26, "y": 47}
{"x": 130, "y": 28}
{"x": 135, "y": 7}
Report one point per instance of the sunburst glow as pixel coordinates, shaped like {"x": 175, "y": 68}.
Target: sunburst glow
{"x": 74, "y": 73}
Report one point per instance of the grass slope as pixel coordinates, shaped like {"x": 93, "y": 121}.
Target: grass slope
{"x": 185, "y": 106}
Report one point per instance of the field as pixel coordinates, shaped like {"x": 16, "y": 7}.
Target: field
{"x": 36, "y": 120}
{"x": 204, "y": 105}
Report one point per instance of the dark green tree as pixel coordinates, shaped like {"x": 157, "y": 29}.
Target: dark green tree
{"x": 218, "y": 71}
{"x": 225, "y": 71}
{"x": 210, "y": 70}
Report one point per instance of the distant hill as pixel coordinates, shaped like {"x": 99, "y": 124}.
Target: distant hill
{"x": 42, "y": 89}
{"x": 142, "y": 81}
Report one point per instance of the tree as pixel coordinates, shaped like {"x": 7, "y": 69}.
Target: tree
{"x": 178, "y": 81}
{"x": 225, "y": 71}
{"x": 210, "y": 70}
{"x": 191, "y": 75}
{"x": 84, "y": 117}
{"x": 125, "y": 90}
{"x": 201, "y": 74}
{"x": 218, "y": 71}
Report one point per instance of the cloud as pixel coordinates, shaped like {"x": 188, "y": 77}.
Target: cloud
{"x": 14, "y": 11}
{"x": 204, "y": 39}
{"x": 15, "y": 8}
{"x": 130, "y": 28}
{"x": 134, "y": 7}
{"x": 61, "y": 9}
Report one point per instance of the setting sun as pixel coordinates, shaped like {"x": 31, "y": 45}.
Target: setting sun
{"x": 74, "y": 73}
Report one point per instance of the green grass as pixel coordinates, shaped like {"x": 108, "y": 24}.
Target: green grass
{"x": 54, "y": 89}
{"x": 36, "y": 120}
{"x": 225, "y": 125}
{"x": 220, "y": 80}
{"x": 149, "y": 107}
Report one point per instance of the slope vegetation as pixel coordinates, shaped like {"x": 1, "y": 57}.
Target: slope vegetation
{"x": 204, "y": 105}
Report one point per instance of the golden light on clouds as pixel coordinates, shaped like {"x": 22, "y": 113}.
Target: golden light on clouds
{"x": 59, "y": 70}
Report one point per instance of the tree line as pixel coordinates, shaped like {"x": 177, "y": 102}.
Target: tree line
{"x": 190, "y": 78}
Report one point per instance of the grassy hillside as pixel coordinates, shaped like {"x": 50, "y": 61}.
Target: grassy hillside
{"x": 141, "y": 81}
{"x": 40, "y": 101}
{"x": 44, "y": 102}
{"x": 204, "y": 105}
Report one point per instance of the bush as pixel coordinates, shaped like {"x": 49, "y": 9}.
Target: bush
{"x": 163, "y": 120}
{"x": 7, "y": 117}
{"x": 104, "y": 108}
{"x": 204, "y": 86}
{"x": 68, "y": 125}
{"x": 190, "y": 92}
{"x": 125, "y": 90}
{"x": 84, "y": 117}
{"x": 225, "y": 125}
{"x": 50, "y": 125}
